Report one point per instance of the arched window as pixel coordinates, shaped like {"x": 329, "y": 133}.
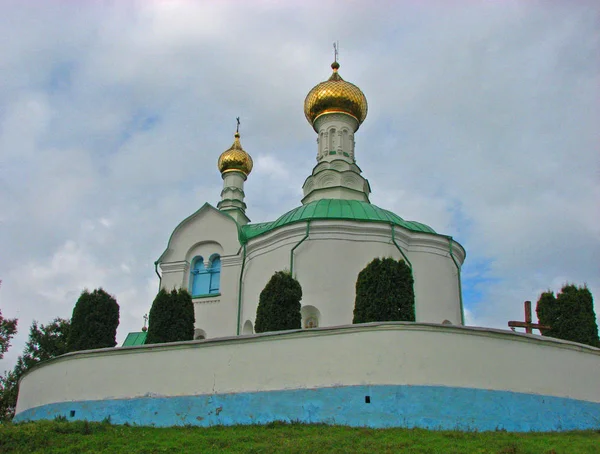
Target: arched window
{"x": 205, "y": 280}
{"x": 311, "y": 317}
{"x": 215, "y": 274}
{"x": 248, "y": 328}
{"x": 331, "y": 140}
{"x": 345, "y": 143}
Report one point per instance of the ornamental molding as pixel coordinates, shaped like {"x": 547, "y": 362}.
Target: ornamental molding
{"x": 321, "y": 121}
{"x": 205, "y": 301}
{"x": 175, "y": 267}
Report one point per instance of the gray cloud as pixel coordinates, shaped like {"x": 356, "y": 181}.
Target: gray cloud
{"x": 482, "y": 123}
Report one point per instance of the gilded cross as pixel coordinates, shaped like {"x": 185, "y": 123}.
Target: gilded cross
{"x": 238, "y": 125}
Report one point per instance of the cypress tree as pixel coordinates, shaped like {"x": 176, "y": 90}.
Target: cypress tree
{"x": 570, "y": 315}
{"x": 279, "y": 304}
{"x": 171, "y": 317}
{"x": 94, "y": 322}
{"x": 384, "y": 292}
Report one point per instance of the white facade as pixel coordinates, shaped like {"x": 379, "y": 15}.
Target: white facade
{"x": 326, "y": 263}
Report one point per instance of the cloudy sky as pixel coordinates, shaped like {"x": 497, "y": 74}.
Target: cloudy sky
{"x": 483, "y": 123}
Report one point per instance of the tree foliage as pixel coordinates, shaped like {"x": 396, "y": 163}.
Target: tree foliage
{"x": 570, "y": 315}
{"x": 279, "y": 304}
{"x": 384, "y": 292}
{"x": 94, "y": 322}
{"x": 171, "y": 317}
{"x": 45, "y": 342}
{"x": 8, "y": 328}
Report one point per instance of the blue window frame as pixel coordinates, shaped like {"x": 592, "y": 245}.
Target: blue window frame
{"x": 205, "y": 280}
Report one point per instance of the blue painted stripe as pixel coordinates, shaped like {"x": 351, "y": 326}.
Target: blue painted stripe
{"x": 429, "y": 407}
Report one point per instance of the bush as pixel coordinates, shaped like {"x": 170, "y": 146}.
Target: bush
{"x": 279, "y": 304}
{"x": 384, "y": 292}
{"x": 171, "y": 317}
{"x": 570, "y": 315}
{"x": 94, "y": 322}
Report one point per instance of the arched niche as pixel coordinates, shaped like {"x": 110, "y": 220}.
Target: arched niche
{"x": 311, "y": 317}
{"x": 248, "y": 328}
{"x": 199, "y": 334}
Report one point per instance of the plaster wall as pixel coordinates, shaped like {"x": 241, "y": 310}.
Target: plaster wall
{"x": 407, "y": 362}
{"x": 327, "y": 264}
{"x": 206, "y": 232}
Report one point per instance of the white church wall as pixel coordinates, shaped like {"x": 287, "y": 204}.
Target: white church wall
{"x": 327, "y": 264}
{"x": 207, "y": 224}
{"x": 436, "y": 281}
{"x": 217, "y": 315}
{"x": 479, "y": 379}
{"x": 205, "y": 233}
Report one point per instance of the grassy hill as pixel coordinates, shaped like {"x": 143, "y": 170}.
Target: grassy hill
{"x": 83, "y": 437}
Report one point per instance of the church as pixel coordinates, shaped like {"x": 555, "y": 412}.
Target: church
{"x": 434, "y": 373}
{"x": 225, "y": 261}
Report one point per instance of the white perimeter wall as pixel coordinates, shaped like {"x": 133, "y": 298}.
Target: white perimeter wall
{"x": 373, "y": 354}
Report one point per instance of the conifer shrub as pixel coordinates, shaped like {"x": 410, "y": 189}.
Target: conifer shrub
{"x": 94, "y": 322}
{"x": 384, "y": 292}
{"x": 279, "y": 304}
{"x": 171, "y": 317}
{"x": 570, "y": 315}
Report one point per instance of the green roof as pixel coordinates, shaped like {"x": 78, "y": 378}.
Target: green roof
{"x": 134, "y": 339}
{"x": 351, "y": 210}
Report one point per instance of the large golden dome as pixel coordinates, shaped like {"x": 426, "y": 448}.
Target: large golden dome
{"x": 235, "y": 159}
{"x": 335, "y": 95}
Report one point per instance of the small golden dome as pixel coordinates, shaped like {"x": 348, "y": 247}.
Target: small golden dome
{"x": 335, "y": 95}
{"x": 235, "y": 159}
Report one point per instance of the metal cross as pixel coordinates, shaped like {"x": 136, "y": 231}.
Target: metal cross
{"x": 528, "y": 323}
{"x": 336, "y": 50}
{"x": 238, "y": 124}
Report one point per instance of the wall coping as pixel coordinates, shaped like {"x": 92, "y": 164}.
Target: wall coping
{"x": 327, "y": 331}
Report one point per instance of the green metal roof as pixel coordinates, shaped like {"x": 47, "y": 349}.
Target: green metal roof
{"x": 352, "y": 210}
{"x": 134, "y": 339}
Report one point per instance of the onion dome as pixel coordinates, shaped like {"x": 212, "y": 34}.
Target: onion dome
{"x": 235, "y": 159}
{"x": 335, "y": 95}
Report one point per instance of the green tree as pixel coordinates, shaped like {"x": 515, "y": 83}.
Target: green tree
{"x": 45, "y": 342}
{"x": 279, "y": 304}
{"x": 384, "y": 292}
{"x": 94, "y": 322}
{"x": 570, "y": 315}
{"x": 171, "y": 317}
{"x": 8, "y": 328}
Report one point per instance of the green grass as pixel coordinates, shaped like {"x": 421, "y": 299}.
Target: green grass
{"x": 83, "y": 437}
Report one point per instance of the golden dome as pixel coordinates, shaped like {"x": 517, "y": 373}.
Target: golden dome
{"x": 235, "y": 158}
{"x": 335, "y": 95}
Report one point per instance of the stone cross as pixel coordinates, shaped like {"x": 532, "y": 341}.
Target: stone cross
{"x": 528, "y": 323}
